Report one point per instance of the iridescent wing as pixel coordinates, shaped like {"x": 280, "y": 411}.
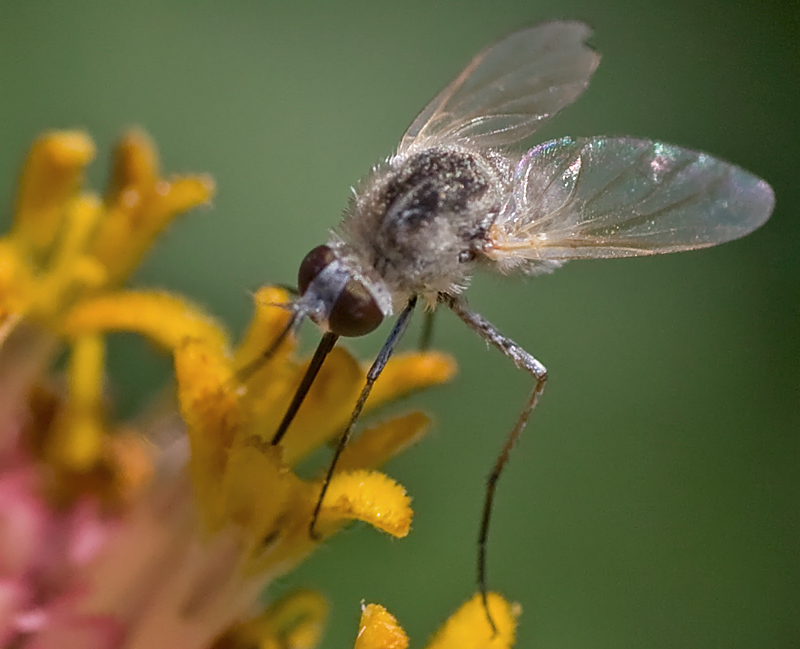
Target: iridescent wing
{"x": 578, "y": 198}
{"x": 509, "y": 89}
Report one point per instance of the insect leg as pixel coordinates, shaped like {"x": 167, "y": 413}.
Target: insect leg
{"x": 426, "y": 335}
{"x": 522, "y": 360}
{"x": 372, "y": 375}
{"x": 253, "y": 366}
{"x": 323, "y": 349}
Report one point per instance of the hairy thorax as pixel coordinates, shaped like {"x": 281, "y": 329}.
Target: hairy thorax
{"x": 419, "y": 221}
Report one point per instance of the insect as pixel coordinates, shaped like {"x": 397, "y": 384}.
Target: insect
{"x": 454, "y": 199}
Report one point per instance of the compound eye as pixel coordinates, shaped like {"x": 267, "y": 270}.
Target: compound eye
{"x": 312, "y": 265}
{"x": 355, "y": 312}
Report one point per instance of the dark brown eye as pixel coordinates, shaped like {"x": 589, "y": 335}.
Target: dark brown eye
{"x": 351, "y": 311}
{"x": 312, "y": 265}
{"x": 355, "y": 312}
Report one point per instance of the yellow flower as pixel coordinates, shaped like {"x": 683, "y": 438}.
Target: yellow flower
{"x": 182, "y": 523}
{"x": 467, "y": 628}
{"x": 67, "y": 246}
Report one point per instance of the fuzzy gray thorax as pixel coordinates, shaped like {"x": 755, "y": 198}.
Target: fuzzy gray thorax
{"x": 417, "y": 225}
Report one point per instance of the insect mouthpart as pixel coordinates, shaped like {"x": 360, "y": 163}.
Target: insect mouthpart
{"x": 333, "y": 298}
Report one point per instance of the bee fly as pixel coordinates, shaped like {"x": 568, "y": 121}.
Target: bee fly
{"x": 454, "y": 199}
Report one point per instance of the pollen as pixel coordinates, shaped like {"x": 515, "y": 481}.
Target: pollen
{"x": 371, "y": 497}
{"x": 379, "y": 629}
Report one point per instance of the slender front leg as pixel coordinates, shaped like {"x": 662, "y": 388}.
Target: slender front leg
{"x": 372, "y": 375}
{"x": 522, "y": 360}
{"x": 256, "y": 364}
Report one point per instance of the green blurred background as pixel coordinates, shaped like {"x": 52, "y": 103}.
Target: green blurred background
{"x": 653, "y": 501}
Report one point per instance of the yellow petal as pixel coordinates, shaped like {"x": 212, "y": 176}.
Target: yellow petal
{"x": 254, "y": 491}
{"x": 326, "y": 408}
{"x": 211, "y": 411}
{"x": 330, "y": 401}
{"x": 140, "y": 205}
{"x": 77, "y": 441}
{"x": 299, "y": 619}
{"x": 17, "y": 281}
{"x": 135, "y": 164}
{"x": 268, "y": 323}
{"x": 50, "y": 178}
{"x": 379, "y": 629}
{"x": 377, "y": 445}
{"x": 70, "y": 269}
{"x": 410, "y": 371}
{"x": 295, "y": 621}
{"x": 370, "y": 497}
{"x": 323, "y": 412}
{"x": 469, "y": 628}
{"x": 165, "y": 319}
{"x": 81, "y": 220}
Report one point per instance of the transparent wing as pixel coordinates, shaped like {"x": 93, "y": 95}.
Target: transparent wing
{"x": 509, "y": 89}
{"x": 623, "y": 197}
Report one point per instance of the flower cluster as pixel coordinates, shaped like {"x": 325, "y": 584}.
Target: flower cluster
{"x": 165, "y": 533}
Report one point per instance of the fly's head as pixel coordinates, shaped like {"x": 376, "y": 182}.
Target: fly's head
{"x": 337, "y": 296}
